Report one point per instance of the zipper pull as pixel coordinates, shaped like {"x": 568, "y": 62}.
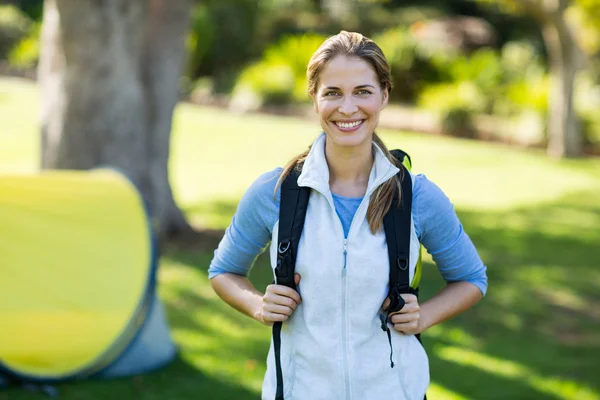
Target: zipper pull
{"x": 386, "y": 329}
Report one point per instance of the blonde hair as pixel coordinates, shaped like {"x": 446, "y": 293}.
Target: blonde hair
{"x": 352, "y": 44}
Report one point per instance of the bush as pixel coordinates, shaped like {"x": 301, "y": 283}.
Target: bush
{"x": 444, "y": 97}
{"x": 411, "y": 68}
{"x": 280, "y": 77}
{"x": 14, "y": 26}
{"x": 26, "y": 53}
{"x": 200, "y": 39}
{"x": 295, "y": 51}
{"x": 264, "y": 84}
{"x": 458, "y": 122}
{"x": 222, "y": 38}
{"x": 529, "y": 94}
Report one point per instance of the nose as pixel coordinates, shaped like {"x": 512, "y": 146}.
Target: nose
{"x": 348, "y": 107}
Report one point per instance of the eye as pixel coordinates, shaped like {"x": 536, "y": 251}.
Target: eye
{"x": 331, "y": 94}
{"x": 363, "y": 92}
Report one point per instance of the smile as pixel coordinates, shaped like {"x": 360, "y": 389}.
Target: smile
{"x": 349, "y": 126}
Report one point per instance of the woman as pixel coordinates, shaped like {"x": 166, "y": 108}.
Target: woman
{"x": 332, "y": 344}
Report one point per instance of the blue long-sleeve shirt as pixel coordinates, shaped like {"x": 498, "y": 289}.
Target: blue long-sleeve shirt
{"x": 436, "y": 225}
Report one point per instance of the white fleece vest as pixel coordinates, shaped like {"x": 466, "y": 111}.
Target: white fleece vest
{"x": 333, "y": 346}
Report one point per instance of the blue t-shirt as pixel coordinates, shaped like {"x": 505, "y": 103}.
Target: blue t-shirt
{"x": 436, "y": 225}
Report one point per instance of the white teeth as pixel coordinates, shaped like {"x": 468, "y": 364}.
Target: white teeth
{"x": 348, "y": 125}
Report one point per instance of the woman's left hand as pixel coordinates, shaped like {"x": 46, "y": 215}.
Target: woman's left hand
{"x": 408, "y": 319}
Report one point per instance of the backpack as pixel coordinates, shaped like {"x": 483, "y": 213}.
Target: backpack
{"x": 397, "y": 224}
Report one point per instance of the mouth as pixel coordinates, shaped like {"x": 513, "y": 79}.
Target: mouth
{"x": 348, "y": 126}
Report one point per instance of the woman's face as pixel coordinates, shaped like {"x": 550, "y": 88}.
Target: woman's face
{"x": 348, "y": 99}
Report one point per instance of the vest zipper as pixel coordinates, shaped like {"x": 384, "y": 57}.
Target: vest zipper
{"x": 344, "y": 311}
{"x": 344, "y": 334}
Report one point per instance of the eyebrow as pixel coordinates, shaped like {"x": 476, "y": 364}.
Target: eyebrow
{"x": 357, "y": 87}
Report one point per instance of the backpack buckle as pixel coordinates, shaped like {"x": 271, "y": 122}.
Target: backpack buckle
{"x": 283, "y": 246}
{"x": 402, "y": 263}
{"x": 284, "y": 268}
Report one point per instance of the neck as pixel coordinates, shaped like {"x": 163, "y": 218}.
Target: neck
{"x": 349, "y": 168}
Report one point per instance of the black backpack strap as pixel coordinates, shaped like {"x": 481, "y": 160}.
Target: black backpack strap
{"x": 292, "y": 212}
{"x": 397, "y": 227}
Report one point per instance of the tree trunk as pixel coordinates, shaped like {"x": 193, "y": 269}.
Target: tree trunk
{"x": 565, "y": 137}
{"x": 108, "y": 73}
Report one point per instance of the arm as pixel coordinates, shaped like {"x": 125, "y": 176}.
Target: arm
{"x": 452, "y": 300}
{"x": 244, "y": 240}
{"x": 238, "y": 292}
{"x": 442, "y": 234}
{"x": 277, "y": 304}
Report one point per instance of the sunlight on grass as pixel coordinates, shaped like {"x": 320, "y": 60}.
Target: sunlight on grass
{"x": 212, "y": 337}
{"x": 455, "y": 335}
{"x": 439, "y": 392}
{"x": 561, "y": 388}
{"x": 483, "y": 176}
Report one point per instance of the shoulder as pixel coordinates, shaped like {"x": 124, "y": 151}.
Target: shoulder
{"x": 427, "y": 194}
{"x": 431, "y": 207}
{"x": 250, "y": 229}
{"x": 259, "y": 206}
{"x": 262, "y": 190}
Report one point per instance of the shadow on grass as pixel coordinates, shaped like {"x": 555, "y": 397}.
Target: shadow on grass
{"x": 535, "y": 333}
{"x": 179, "y": 380}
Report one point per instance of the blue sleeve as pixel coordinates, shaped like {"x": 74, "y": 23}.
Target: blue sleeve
{"x": 441, "y": 233}
{"x": 250, "y": 229}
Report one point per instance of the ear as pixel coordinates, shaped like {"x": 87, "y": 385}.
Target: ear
{"x": 386, "y": 97}
{"x": 315, "y": 105}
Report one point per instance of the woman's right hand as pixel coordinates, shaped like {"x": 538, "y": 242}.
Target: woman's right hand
{"x": 279, "y": 302}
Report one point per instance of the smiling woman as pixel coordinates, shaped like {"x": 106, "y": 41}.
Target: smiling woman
{"x": 348, "y": 99}
{"x": 344, "y": 306}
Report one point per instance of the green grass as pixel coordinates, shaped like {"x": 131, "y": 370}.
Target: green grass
{"x": 535, "y": 222}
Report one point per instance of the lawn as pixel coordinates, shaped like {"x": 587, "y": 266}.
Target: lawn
{"x": 535, "y": 222}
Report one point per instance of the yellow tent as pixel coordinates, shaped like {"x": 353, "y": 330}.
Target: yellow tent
{"x": 78, "y": 266}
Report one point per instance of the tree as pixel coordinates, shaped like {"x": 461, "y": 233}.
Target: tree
{"x": 109, "y": 74}
{"x": 566, "y": 58}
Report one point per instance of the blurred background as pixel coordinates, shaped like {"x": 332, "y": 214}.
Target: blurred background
{"x": 497, "y": 102}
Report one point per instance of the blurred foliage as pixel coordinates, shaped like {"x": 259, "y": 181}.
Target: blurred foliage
{"x": 33, "y": 8}
{"x": 222, "y": 37}
{"x": 489, "y": 81}
{"x": 280, "y": 76}
{"x": 26, "y": 53}
{"x": 458, "y": 121}
{"x": 14, "y": 26}
{"x": 254, "y": 53}
{"x": 411, "y": 69}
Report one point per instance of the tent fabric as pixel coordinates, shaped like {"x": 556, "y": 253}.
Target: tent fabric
{"x": 78, "y": 290}
{"x": 152, "y": 349}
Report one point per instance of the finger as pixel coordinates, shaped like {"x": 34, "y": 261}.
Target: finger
{"x": 297, "y": 278}
{"x": 409, "y": 298}
{"x": 409, "y": 308}
{"x": 271, "y": 317}
{"x": 405, "y": 318}
{"x": 408, "y": 328}
{"x": 386, "y": 304}
{"x": 277, "y": 309}
{"x": 280, "y": 300}
{"x": 284, "y": 291}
